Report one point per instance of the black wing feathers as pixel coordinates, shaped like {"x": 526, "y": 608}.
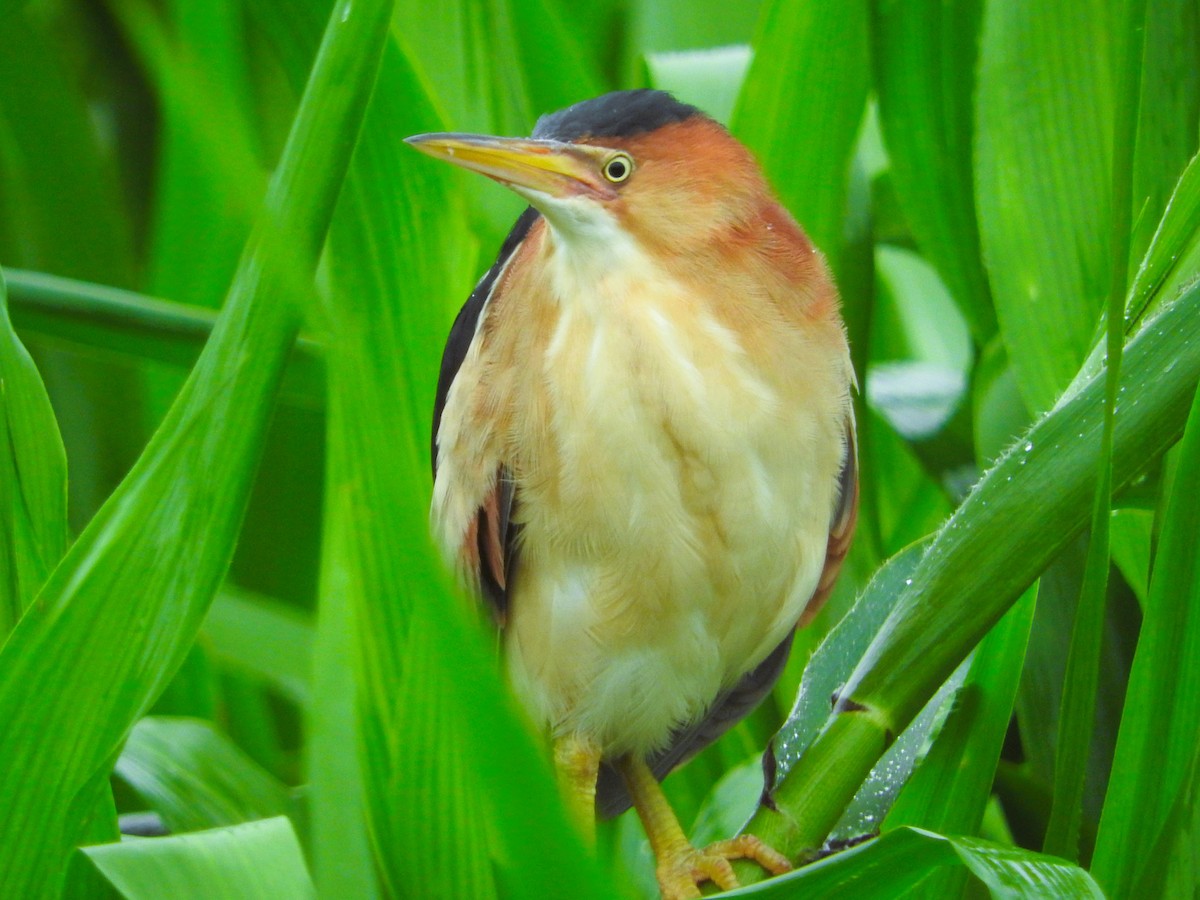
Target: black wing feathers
{"x": 462, "y": 332}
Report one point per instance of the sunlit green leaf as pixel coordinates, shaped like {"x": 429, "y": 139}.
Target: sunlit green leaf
{"x": 33, "y": 478}
{"x": 900, "y": 860}
{"x": 117, "y": 615}
{"x": 242, "y": 862}
{"x": 971, "y": 573}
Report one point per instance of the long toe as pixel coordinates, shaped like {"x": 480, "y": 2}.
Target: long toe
{"x": 680, "y": 874}
{"x": 747, "y": 846}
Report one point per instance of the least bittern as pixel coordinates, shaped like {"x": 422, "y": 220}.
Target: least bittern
{"x": 644, "y": 446}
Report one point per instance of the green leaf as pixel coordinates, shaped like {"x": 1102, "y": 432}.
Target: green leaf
{"x": 1131, "y": 538}
{"x": 242, "y": 862}
{"x": 921, "y": 353}
{"x": 999, "y": 413}
{"x": 802, "y": 105}
{"x": 950, "y": 789}
{"x": 60, "y": 207}
{"x": 679, "y": 26}
{"x": 33, "y": 478}
{"x": 340, "y": 845}
{"x": 891, "y": 865}
{"x": 428, "y": 685}
{"x": 827, "y": 671}
{"x": 729, "y": 804}
{"x": 1168, "y": 113}
{"x": 709, "y": 79}
{"x": 917, "y": 319}
{"x": 1076, "y": 721}
{"x": 1156, "y": 746}
{"x": 924, "y": 56}
{"x": 544, "y": 44}
{"x": 1044, "y": 126}
{"x": 127, "y": 326}
{"x": 1175, "y": 860}
{"x": 194, "y": 777}
{"x": 870, "y": 806}
{"x": 979, "y": 563}
{"x": 208, "y": 184}
{"x": 836, "y": 657}
{"x": 118, "y": 614}
{"x": 262, "y": 637}
{"x": 1173, "y": 260}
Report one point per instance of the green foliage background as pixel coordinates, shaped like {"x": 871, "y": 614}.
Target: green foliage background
{"x": 218, "y": 599}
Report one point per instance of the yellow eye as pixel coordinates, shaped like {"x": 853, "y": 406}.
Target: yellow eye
{"x": 619, "y": 168}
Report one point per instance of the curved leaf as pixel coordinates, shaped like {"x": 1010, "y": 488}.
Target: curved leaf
{"x": 891, "y": 865}
{"x": 33, "y": 478}
{"x": 194, "y": 777}
{"x": 242, "y": 862}
{"x": 979, "y": 563}
{"x": 116, "y": 617}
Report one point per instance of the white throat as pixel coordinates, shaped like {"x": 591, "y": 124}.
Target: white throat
{"x": 589, "y": 255}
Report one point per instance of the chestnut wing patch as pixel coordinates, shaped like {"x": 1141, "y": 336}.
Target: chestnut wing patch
{"x": 488, "y": 549}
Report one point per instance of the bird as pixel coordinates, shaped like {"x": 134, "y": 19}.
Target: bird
{"x": 643, "y": 447}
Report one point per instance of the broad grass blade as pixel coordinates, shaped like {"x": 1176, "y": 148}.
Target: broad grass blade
{"x": 710, "y": 79}
{"x": 924, "y": 56}
{"x": 950, "y": 789}
{"x": 439, "y": 731}
{"x": 1156, "y": 746}
{"x": 134, "y": 327}
{"x": 807, "y": 88}
{"x": 891, "y": 865}
{"x": 265, "y": 638}
{"x": 1168, "y": 112}
{"x": 118, "y": 614}
{"x": 1044, "y": 125}
{"x": 241, "y": 862}
{"x": 978, "y": 564}
{"x": 33, "y": 478}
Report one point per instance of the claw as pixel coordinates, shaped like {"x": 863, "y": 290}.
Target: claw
{"x": 681, "y": 873}
{"x": 681, "y": 867}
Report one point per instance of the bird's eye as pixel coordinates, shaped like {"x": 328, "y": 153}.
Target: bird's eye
{"x": 618, "y": 168}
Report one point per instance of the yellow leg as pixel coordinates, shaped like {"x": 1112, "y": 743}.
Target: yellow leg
{"x": 578, "y": 762}
{"x": 681, "y": 867}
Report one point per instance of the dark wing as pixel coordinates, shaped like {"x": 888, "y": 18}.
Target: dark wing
{"x": 491, "y": 538}
{"x": 733, "y": 706}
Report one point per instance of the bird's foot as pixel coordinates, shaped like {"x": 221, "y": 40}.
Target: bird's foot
{"x": 681, "y": 873}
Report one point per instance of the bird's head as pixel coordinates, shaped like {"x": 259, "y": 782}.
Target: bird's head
{"x": 638, "y": 164}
